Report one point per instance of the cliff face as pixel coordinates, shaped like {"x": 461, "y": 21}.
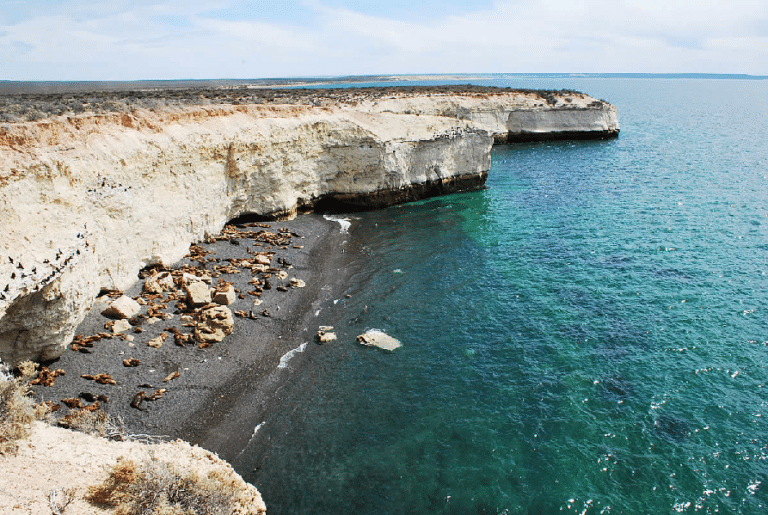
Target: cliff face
{"x": 87, "y": 201}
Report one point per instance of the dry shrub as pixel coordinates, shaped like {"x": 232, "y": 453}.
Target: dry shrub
{"x": 17, "y": 409}
{"x": 90, "y": 422}
{"x": 159, "y": 488}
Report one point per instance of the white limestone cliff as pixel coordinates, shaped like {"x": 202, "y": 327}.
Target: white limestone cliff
{"x": 87, "y": 201}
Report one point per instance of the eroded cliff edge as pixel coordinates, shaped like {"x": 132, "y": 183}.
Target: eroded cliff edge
{"x": 87, "y": 201}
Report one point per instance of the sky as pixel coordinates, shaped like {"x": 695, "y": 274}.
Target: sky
{"x": 239, "y": 39}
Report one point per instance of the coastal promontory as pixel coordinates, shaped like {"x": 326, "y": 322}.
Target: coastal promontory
{"x": 89, "y": 198}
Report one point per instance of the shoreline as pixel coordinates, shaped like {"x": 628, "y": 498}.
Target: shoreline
{"x": 223, "y": 391}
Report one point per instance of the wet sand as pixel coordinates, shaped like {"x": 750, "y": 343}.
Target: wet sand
{"x": 223, "y": 391}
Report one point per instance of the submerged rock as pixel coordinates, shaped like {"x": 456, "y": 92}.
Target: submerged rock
{"x": 376, "y": 338}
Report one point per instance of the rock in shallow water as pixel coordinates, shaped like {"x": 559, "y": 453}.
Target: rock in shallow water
{"x": 376, "y": 338}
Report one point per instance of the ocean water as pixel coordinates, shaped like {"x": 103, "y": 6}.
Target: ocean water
{"x": 588, "y": 334}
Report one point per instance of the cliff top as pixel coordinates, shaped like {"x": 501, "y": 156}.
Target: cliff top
{"x": 32, "y": 106}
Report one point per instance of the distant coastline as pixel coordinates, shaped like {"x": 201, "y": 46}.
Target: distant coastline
{"x": 48, "y": 87}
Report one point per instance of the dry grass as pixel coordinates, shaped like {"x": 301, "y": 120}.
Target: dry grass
{"x": 158, "y": 488}
{"x": 91, "y": 422}
{"x": 17, "y": 409}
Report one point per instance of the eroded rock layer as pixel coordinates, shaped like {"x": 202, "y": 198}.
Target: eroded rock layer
{"x": 87, "y": 201}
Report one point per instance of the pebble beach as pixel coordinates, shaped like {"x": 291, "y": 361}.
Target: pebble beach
{"x": 212, "y": 394}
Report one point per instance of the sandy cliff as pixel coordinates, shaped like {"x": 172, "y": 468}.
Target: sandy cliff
{"x": 87, "y": 201}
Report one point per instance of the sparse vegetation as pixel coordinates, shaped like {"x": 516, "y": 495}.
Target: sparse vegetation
{"x": 17, "y": 409}
{"x": 59, "y": 499}
{"x": 156, "y": 487}
{"x": 96, "y": 422}
{"x": 23, "y": 107}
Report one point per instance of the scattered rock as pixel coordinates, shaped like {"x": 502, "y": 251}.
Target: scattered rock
{"x": 156, "y": 343}
{"x": 120, "y": 326}
{"x": 159, "y": 283}
{"x": 214, "y": 323}
{"x": 225, "y": 296}
{"x": 122, "y": 308}
{"x": 297, "y": 283}
{"x": 324, "y": 335}
{"x": 198, "y": 294}
{"x": 376, "y": 338}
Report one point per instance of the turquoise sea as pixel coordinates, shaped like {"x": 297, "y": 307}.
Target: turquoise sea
{"x": 588, "y": 334}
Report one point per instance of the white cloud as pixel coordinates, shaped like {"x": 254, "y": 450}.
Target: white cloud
{"x": 175, "y": 39}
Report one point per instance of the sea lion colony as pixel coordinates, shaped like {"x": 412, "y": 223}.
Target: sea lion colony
{"x": 193, "y": 296}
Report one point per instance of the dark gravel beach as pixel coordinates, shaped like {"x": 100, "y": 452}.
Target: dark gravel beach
{"x": 231, "y": 382}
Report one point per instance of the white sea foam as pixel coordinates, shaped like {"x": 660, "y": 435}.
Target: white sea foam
{"x": 345, "y": 223}
{"x": 253, "y": 435}
{"x": 256, "y": 429}
{"x": 291, "y": 353}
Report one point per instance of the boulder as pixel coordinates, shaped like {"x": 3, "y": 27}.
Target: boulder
{"x": 187, "y": 279}
{"x": 120, "y": 326}
{"x": 198, "y": 293}
{"x": 376, "y": 338}
{"x": 225, "y": 296}
{"x": 214, "y": 323}
{"x": 324, "y": 335}
{"x": 159, "y": 283}
{"x": 123, "y": 307}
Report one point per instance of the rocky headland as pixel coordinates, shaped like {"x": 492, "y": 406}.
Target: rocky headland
{"x": 88, "y": 200}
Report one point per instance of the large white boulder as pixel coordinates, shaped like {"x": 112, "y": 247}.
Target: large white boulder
{"x": 380, "y": 339}
{"x": 122, "y": 307}
{"x": 198, "y": 293}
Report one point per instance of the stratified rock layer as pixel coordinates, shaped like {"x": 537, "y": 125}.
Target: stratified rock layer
{"x": 87, "y": 201}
